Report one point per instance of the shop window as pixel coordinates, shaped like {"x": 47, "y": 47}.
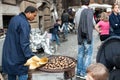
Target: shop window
{"x": 6, "y": 20}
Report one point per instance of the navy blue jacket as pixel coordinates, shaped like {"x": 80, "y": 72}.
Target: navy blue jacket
{"x": 56, "y": 28}
{"x": 114, "y": 24}
{"x": 16, "y": 48}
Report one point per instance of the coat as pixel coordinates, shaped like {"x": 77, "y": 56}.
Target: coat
{"x": 65, "y": 17}
{"x": 56, "y": 28}
{"x": 114, "y": 24}
{"x": 109, "y": 53}
{"x": 114, "y": 74}
{"x": 16, "y": 48}
{"x": 85, "y": 27}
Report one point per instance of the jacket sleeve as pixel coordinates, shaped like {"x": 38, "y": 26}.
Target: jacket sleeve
{"x": 25, "y": 40}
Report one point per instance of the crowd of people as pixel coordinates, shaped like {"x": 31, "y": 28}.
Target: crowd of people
{"x": 62, "y": 25}
{"x": 107, "y": 26}
{"x": 16, "y": 50}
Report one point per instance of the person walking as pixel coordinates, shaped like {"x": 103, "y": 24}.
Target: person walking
{"x": 55, "y": 32}
{"x": 114, "y": 20}
{"x": 102, "y": 27}
{"x": 65, "y": 19}
{"x": 85, "y": 38}
{"x": 16, "y": 50}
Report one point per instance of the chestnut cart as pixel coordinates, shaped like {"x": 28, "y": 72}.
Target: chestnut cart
{"x": 58, "y": 63}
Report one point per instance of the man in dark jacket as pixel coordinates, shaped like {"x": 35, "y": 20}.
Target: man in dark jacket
{"x": 16, "y": 50}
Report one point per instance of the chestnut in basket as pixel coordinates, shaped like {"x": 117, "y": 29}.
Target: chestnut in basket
{"x": 59, "y": 62}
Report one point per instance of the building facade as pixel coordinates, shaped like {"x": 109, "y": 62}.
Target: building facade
{"x": 7, "y": 10}
{"x": 67, "y": 3}
{"x": 10, "y": 8}
{"x": 49, "y": 10}
{"x": 44, "y": 19}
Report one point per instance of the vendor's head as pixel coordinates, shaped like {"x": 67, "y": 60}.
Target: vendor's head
{"x": 85, "y": 2}
{"x": 97, "y": 71}
{"x": 115, "y": 8}
{"x": 30, "y": 12}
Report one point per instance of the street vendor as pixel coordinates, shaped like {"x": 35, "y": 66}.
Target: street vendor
{"x": 16, "y": 50}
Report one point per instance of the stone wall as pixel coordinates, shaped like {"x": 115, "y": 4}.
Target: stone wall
{"x": 118, "y": 2}
{"x": 11, "y": 2}
{"x": 6, "y": 9}
{"x": 59, "y": 7}
{"x": 45, "y": 14}
{"x": 10, "y": 9}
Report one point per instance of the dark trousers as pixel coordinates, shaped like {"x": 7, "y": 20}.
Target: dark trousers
{"x": 104, "y": 37}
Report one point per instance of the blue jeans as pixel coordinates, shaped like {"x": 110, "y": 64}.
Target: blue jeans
{"x": 56, "y": 38}
{"x": 20, "y": 77}
{"x": 84, "y": 57}
{"x": 65, "y": 28}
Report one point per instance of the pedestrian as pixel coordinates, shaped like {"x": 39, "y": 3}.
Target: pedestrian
{"x": 97, "y": 71}
{"x": 102, "y": 27}
{"x": 85, "y": 38}
{"x": 65, "y": 19}
{"x": 109, "y": 10}
{"x": 16, "y": 48}
{"x": 114, "y": 20}
{"x": 55, "y": 33}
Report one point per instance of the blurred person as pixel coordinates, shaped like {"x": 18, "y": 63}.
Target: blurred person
{"x": 97, "y": 71}
{"x": 108, "y": 11}
{"x": 84, "y": 20}
{"x": 102, "y": 27}
{"x": 16, "y": 49}
{"x": 55, "y": 32}
{"x": 114, "y": 20}
{"x": 65, "y": 19}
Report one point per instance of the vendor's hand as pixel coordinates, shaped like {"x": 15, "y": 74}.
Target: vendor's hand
{"x": 35, "y": 58}
{"x": 29, "y": 61}
{"x": 34, "y": 65}
{"x": 32, "y": 59}
{"x": 35, "y": 62}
